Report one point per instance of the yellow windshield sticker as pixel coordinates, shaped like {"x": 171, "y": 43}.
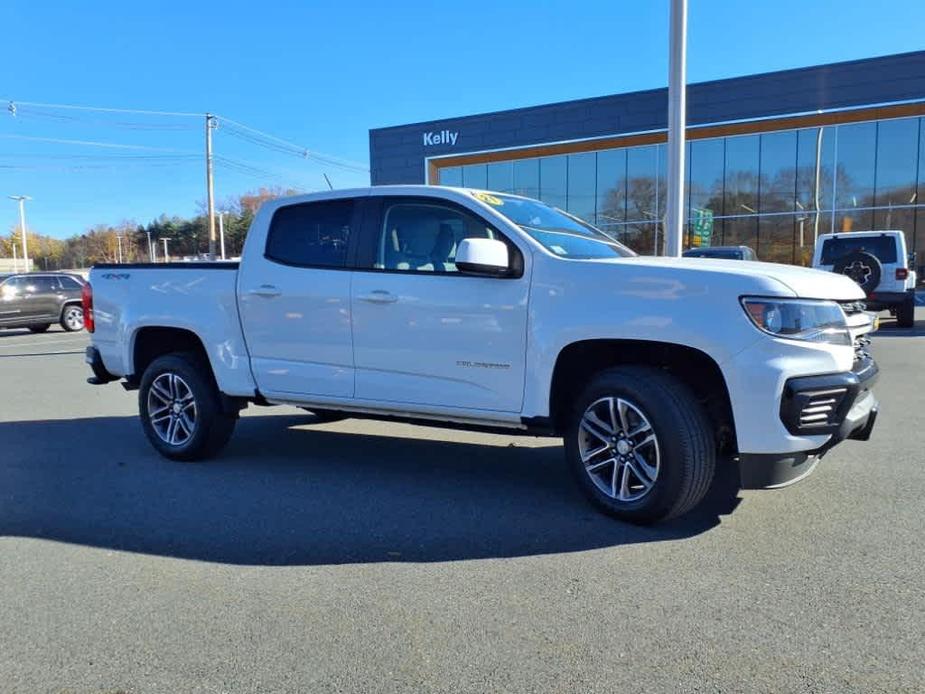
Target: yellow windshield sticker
{"x": 490, "y": 199}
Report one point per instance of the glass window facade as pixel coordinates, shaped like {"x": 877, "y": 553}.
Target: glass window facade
{"x": 772, "y": 191}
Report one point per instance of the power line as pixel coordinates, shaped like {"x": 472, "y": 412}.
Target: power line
{"x": 103, "y": 109}
{"x": 236, "y": 129}
{"x": 30, "y": 113}
{"x": 273, "y": 142}
{"x": 94, "y": 143}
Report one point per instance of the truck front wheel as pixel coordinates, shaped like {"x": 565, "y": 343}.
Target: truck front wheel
{"x": 181, "y": 409}
{"x": 640, "y": 445}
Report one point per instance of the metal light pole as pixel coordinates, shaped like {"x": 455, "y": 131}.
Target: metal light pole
{"x": 150, "y": 248}
{"x": 22, "y": 225}
{"x": 119, "y": 240}
{"x": 15, "y": 259}
{"x": 166, "y": 255}
{"x": 677, "y": 122}
{"x": 210, "y": 186}
{"x": 221, "y": 231}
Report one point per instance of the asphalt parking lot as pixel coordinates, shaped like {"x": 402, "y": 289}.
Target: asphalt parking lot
{"x": 364, "y": 556}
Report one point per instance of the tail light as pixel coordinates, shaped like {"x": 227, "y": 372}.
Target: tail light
{"x": 86, "y": 301}
{"x": 902, "y": 273}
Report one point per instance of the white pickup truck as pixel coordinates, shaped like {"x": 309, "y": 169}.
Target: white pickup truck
{"x": 485, "y": 310}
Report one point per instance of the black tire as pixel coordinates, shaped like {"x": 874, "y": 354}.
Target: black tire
{"x": 326, "y": 416}
{"x": 863, "y": 267}
{"x": 39, "y": 328}
{"x": 212, "y": 426}
{"x": 905, "y": 314}
{"x": 72, "y": 318}
{"x": 685, "y": 443}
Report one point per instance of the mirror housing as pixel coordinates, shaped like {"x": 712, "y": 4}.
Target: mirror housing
{"x": 477, "y": 256}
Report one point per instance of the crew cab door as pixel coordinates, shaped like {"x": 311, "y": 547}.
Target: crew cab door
{"x": 425, "y": 333}
{"x": 294, "y": 299}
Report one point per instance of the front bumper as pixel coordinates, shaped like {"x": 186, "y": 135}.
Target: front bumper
{"x": 841, "y": 406}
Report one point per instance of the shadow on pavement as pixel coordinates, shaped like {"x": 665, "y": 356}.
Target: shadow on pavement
{"x": 281, "y": 495}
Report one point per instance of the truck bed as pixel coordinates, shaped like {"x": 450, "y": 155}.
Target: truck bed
{"x": 198, "y": 297}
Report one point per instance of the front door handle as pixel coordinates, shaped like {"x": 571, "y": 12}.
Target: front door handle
{"x": 379, "y": 296}
{"x": 265, "y": 290}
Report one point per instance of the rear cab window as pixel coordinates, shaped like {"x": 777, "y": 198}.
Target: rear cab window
{"x": 311, "y": 234}
{"x": 882, "y": 247}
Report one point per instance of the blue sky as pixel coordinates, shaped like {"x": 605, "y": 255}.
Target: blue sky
{"x": 321, "y": 74}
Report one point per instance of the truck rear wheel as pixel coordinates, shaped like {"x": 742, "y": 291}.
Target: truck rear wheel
{"x": 181, "y": 409}
{"x": 640, "y": 445}
{"x": 905, "y": 314}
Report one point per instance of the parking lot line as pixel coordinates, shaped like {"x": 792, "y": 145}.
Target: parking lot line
{"x": 44, "y": 342}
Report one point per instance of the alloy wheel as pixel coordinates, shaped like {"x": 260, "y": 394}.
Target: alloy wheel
{"x": 74, "y": 318}
{"x": 619, "y": 449}
{"x": 172, "y": 409}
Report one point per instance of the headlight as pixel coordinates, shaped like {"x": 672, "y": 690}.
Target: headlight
{"x": 799, "y": 319}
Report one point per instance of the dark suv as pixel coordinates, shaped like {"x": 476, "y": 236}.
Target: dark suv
{"x": 36, "y": 300}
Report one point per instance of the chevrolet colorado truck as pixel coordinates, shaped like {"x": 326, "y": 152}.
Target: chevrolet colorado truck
{"x": 491, "y": 311}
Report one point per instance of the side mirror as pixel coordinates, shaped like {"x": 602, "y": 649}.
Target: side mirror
{"x": 483, "y": 257}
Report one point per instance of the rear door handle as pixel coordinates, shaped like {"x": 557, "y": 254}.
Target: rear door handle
{"x": 265, "y": 290}
{"x": 379, "y": 296}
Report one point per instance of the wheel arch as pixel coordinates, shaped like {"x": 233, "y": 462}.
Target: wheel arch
{"x": 152, "y": 341}
{"x": 578, "y": 362}
{"x": 67, "y": 303}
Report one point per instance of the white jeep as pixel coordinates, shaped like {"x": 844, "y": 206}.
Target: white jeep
{"x": 879, "y": 263}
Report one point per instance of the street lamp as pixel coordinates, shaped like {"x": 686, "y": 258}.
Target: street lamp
{"x": 677, "y": 123}
{"x": 22, "y": 225}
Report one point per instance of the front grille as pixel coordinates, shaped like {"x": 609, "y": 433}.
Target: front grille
{"x": 861, "y": 348}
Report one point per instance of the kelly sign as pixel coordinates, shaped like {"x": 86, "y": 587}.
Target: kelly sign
{"x": 441, "y": 137}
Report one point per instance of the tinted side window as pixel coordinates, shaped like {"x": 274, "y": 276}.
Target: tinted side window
{"x": 12, "y": 287}
{"x": 45, "y": 285}
{"x": 68, "y": 283}
{"x": 311, "y": 234}
{"x": 422, "y": 237}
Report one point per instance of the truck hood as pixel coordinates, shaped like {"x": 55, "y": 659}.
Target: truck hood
{"x": 800, "y": 281}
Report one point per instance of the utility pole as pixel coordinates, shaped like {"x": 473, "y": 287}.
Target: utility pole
{"x": 210, "y": 188}
{"x": 166, "y": 255}
{"x": 22, "y": 225}
{"x": 677, "y": 122}
{"x": 221, "y": 231}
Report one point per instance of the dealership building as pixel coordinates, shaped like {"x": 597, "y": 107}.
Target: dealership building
{"x": 772, "y": 159}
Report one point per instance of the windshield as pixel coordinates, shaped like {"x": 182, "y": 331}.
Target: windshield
{"x": 557, "y": 231}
